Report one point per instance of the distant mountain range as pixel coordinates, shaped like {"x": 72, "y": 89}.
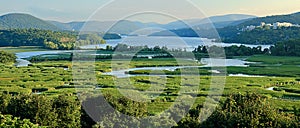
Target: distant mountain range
{"x": 225, "y": 27}
{"x": 19, "y": 20}
{"x": 127, "y": 27}
{"x": 218, "y": 21}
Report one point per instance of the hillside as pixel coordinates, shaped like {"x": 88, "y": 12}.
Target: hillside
{"x": 291, "y": 18}
{"x": 24, "y": 21}
{"x": 218, "y": 21}
{"x": 262, "y": 36}
{"x": 232, "y": 33}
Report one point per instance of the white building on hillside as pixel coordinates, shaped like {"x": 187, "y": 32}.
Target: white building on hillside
{"x": 284, "y": 24}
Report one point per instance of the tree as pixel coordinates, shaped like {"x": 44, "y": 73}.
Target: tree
{"x": 8, "y": 121}
{"x": 68, "y": 111}
{"x": 6, "y": 57}
{"x": 241, "y": 110}
{"x": 250, "y": 110}
{"x": 51, "y": 45}
{"x": 286, "y": 48}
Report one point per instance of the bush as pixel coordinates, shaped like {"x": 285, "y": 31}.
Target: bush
{"x": 7, "y": 57}
{"x": 8, "y": 121}
{"x": 238, "y": 110}
{"x": 250, "y": 110}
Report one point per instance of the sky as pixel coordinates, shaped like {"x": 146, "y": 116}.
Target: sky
{"x": 161, "y": 11}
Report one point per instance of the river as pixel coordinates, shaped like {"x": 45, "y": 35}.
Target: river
{"x": 188, "y": 43}
{"x": 172, "y": 42}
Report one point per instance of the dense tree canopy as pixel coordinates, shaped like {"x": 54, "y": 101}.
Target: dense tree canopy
{"x": 35, "y": 37}
{"x": 49, "y": 39}
{"x": 259, "y": 35}
{"x": 7, "y": 57}
{"x": 242, "y": 110}
{"x": 62, "y": 111}
{"x": 8, "y": 121}
{"x": 232, "y": 50}
{"x": 238, "y": 110}
{"x": 286, "y": 48}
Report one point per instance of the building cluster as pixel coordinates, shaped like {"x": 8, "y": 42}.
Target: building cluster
{"x": 275, "y": 25}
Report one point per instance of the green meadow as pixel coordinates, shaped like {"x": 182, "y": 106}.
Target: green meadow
{"x": 53, "y": 78}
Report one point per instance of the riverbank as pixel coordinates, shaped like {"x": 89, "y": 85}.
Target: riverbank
{"x": 23, "y": 49}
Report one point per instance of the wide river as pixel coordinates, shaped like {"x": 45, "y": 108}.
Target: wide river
{"x": 188, "y": 43}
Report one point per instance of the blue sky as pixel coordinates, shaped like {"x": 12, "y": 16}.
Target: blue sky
{"x": 79, "y": 10}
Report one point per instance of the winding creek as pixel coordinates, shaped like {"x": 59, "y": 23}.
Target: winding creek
{"x": 207, "y": 62}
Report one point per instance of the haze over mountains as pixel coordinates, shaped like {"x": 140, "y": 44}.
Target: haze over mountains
{"x": 126, "y": 27}
{"x": 19, "y": 20}
{"x": 227, "y": 28}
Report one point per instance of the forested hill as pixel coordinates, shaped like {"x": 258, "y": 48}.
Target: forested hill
{"x": 234, "y": 33}
{"x": 290, "y": 18}
{"x": 262, "y": 35}
{"x": 24, "y": 21}
{"x": 49, "y": 39}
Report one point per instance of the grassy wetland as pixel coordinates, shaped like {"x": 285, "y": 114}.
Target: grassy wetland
{"x": 273, "y": 78}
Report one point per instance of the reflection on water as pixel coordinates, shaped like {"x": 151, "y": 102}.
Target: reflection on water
{"x": 212, "y": 62}
{"x": 245, "y": 75}
{"x": 22, "y": 63}
{"x": 208, "y": 62}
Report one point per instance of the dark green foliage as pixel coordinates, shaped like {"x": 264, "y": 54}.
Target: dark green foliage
{"x": 239, "y": 111}
{"x": 91, "y": 38}
{"x": 102, "y": 109}
{"x": 8, "y": 121}
{"x": 250, "y": 110}
{"x": 34, "y": 37}
{"x": 286, "y": 48}
{"x": 68, "y": 111}
{"x": 230, "y": 51}
{"x": 111, "y": 36}
{"x": 259, "y": 35}
{"x": 128, "y": 107}
{"x": 56, "y": 40}
{"x": 7, "y": 57}
{"x": 36, "y": 108}
{"x": 39, "y": 89}
{"x": 62, "y": 111}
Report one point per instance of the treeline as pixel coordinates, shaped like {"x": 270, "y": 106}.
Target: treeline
{"x": 62, "y": 111}
{"x": 234, "y": 50}
{"x": 243, "y": 111}
{"x": 286, "y": 48}
{"x": 123, "y": 51}
{"x": 35, "y": 37}
{"x": 56, "y": 40}
{"x": 6, "y": 57}
{"x": 239, "y": 110}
